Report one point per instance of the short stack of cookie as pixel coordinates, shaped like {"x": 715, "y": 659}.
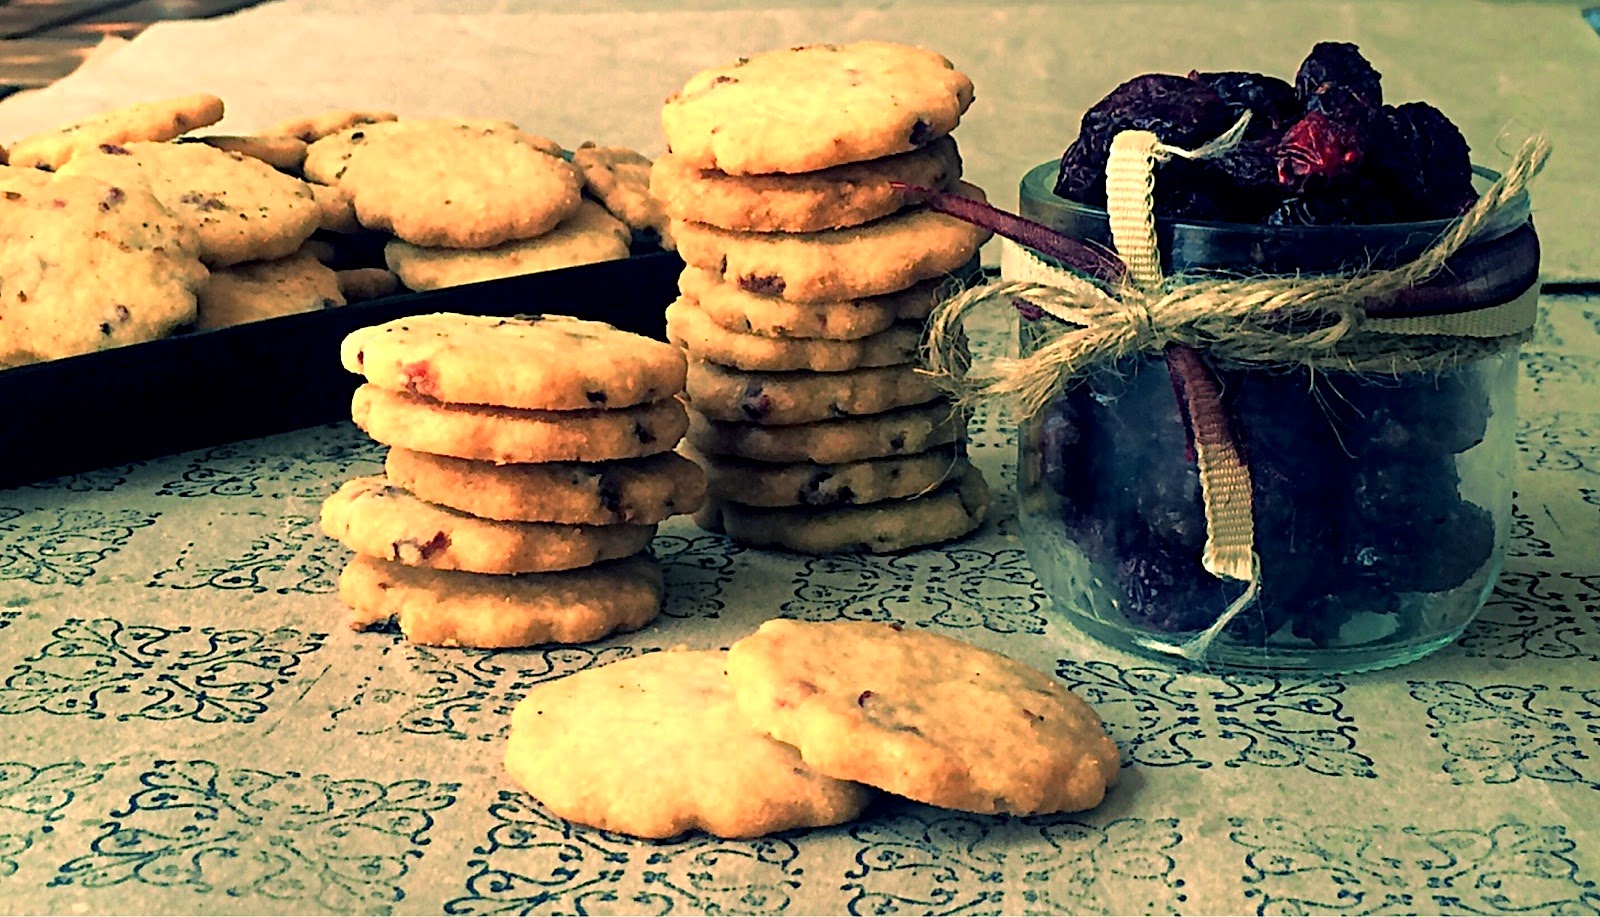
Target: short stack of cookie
{"x": 530, "y": 461}
{"x": 811, "y": 269}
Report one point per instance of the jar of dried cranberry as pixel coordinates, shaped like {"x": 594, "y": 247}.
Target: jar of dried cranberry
{"x": 1379, "y": 499}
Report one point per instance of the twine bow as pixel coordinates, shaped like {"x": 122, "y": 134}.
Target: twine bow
{"x": 1365, "y": 321}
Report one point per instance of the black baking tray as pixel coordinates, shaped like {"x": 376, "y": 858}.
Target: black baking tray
{"x": 206, "y": 388}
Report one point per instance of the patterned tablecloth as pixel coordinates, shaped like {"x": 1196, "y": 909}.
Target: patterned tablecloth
{"x": 187, "y": 725}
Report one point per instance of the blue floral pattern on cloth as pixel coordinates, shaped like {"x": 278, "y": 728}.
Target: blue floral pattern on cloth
{"x": 32, "y": 799}
{"x": 339, "y": 844}
{"x": 55, "y": 547}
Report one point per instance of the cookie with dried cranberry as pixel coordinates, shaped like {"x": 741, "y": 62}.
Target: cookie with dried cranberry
{"x": 899, "y": 432}
{"x": 328, "y": 155}
{"x": 160, "y": 119}
{"x": 691, "y": 329}
{"x": 589, "y": 235}
{"x": 925, "y": 716}
{"x": 872, "y": 259}
{"x": 538, "y": 362}
{"x": 780, "y": 398}
{"x": 809, "y": 107}
{"x": 286, "y": 154}
{"x": 453, "y": 608}
{"x": 846, "y": 195}
{"x": 372, "y": 517}
{"x": 503, "y": 435}
{"x": 88, "y": 266}
{"x": 841, "y": 320}
{"x": 311, "y": 128}
{"x": 654, "y": 746}
{"x": 257, "y": 290}
{"x": 241, "y": 208}
{"x": 944, "y": 514}
{"x": 811, "y": 484}
{"x": 642, "y": 490}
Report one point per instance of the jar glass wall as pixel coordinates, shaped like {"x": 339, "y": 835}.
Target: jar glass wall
{"x": 1381, "y": 502}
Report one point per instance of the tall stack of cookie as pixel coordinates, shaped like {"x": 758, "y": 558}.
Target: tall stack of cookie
{"x": 809, "y": 276}
{"x": 530, "y": 460}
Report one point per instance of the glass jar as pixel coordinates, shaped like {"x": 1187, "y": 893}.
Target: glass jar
{"x": 1381, "y": 502}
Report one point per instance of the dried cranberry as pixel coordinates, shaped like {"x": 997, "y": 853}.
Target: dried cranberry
{"x": 1317, "y": 150}
{"x": 1421, "y": 161}
{"x": 1272, "y": 103}
{"x": 1338, "y": 63}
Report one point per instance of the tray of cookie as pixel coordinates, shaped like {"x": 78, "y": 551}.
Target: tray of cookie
{"x": 165, "y": 286}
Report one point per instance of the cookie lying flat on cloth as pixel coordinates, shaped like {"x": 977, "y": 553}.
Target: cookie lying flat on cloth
{"x": 538, "y": 362}
{"x": 919, "y": 714}
{"x": 451, "y": 608}
{"x": 654, "y": 746}
{"x": 810, "y": 107}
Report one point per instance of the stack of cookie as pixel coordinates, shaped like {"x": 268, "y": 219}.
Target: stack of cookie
{"x": 809, "y": 276}
{"x": 530, "y": 461}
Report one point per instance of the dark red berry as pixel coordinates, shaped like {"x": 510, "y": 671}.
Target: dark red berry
{"x": 1338, "y": 63}
{"x": 1317, "y": 150}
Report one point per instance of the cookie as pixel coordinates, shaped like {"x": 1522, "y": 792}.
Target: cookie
{"x": 874, "y": 258}
{"x": 359, "y": 284}
{"x": 506, "y": 435}
{"x": 328, "y": 155}
{"x": 458, "y": 186}
{"x": 806, "y": 108}
{"x": 87, "y": 266}
{"x": 784, "y": 398}
{"x": 654, "y": 746}
{"x": 374, "y": 518}
{"x": 643, "y": 490}
{"x": 312, "y": 128}
{"x": 336, "y": 209}
{"x": 924, "y": 716}
{"x": 241, "y": 208}
{"x": 953, "y": 510}
{"x": 843, "y": 320}
{"x": 620, "y": 178}
{"x": 257, "y": 290}
{"x": 285, "y": 154}
{"x": 590, "y": 234}
{"x": 539, "y": 362}
{"x": 162, "y": 119}
{"x": 451, "y": 608}
{"x": 846, "y": 195}
{"x": 828, "y": 442}
{"x": 689, "y": 328}
{"x": 811, "y": 484}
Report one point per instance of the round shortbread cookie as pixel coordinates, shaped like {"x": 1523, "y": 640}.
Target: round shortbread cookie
{"x": 451, "y": 608}
{"x": 846, "y": 195}
{"x": 162, "y": 119}
{"x": 874, "y": 258}
{"x": 312, "y": 128}
{"x": 242, "y": 208}
{"x": 538, "y": 362}
{"x": 590, "y": 234}
{"x": 691, "y": 329}
{"x": 256, "y": 290}
{"x": 785, "y": 398}
{"x": 283, "y": 153}
{"x": 359, "y": 284}
{"x": 810, "y": 484}
{"x": 620, "y": 178}
{"x": 924, "y": 716}
{"x": 459, "y": 186}
{"x": 654, "y": 746}
{"x": 953, "y": 510}
{"x": 843, "y": 320}
{"x": 374, "y": 518}
{"x": 640, "y": 490}
{"x": 806, "y": 108}
{"x": 828, "y": 442}
{"x": 506, "y": 435}
{"x": 88, "y": 266}
{"x": 328, "y": 155}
